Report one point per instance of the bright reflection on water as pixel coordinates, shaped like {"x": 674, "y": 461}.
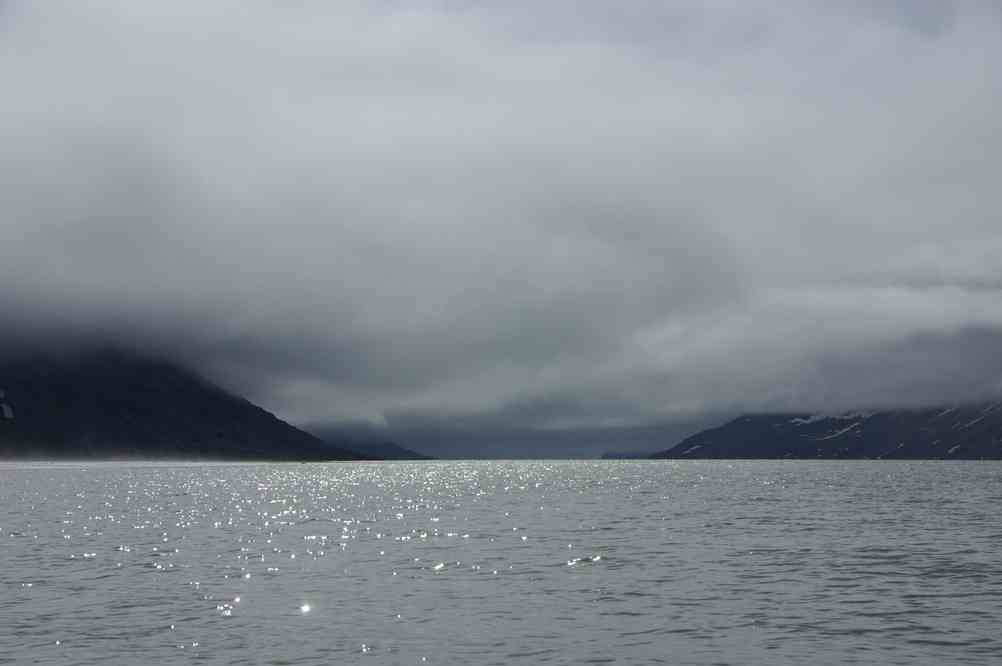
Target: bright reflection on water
{"x": 502, "y": 562}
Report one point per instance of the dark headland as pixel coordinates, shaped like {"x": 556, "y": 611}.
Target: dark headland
{"x": 109, "y": 403}
{"x": 971, "y": 432}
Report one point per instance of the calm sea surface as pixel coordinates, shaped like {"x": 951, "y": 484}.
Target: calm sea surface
{"x": 501, "y": 563}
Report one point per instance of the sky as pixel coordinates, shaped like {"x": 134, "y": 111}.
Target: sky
{"x": 522, "y": 215}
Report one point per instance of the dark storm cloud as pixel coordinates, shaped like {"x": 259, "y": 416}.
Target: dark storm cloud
{"x": 541, "y": 215}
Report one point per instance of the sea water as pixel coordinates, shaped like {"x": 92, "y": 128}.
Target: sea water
{"x": 501, "y": 563}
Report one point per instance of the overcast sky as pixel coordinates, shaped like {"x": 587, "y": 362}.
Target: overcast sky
{"x": 540, "y": 214}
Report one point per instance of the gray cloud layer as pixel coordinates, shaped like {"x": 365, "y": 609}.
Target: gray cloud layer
{"x": 542, "y": 214}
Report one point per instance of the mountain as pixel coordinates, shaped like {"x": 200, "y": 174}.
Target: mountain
{"x": 381, "y": 450}
{"x": 958, "y": 432}
{"x": 366, "y": 439}
{"x": 110, "y": 403}
{"x": 386, "y": 451}
{"x": 626, "y": 455}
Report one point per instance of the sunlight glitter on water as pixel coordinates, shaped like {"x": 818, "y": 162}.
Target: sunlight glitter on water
{"x": 752, "y": 563}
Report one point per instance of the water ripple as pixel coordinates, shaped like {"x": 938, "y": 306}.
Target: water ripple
{"x": 501, "y": 562}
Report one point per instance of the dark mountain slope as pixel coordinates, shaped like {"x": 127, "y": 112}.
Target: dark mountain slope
{"x": 110, "y": 403}
{"x": 964, "y": 432}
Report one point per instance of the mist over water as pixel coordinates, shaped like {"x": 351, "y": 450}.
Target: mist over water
{"x": 501, "y": 562}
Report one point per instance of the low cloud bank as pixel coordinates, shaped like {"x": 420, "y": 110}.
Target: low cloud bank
{"x": 517, "y": 216}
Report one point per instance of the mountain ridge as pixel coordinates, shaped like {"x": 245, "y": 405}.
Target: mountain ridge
{"x": 958, "y": 432}
{"x": 110, "y": 403}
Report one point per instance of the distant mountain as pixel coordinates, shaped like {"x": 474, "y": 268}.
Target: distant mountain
{"x": 626, "y": 455}
{"x": 366, "y": 439}
{"x": 961, "y": 432}
{"x": 384, "y": 450}
{"x": 110, "y": 403}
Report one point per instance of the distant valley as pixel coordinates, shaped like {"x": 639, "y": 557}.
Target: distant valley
{"x": 109, "y": 403}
